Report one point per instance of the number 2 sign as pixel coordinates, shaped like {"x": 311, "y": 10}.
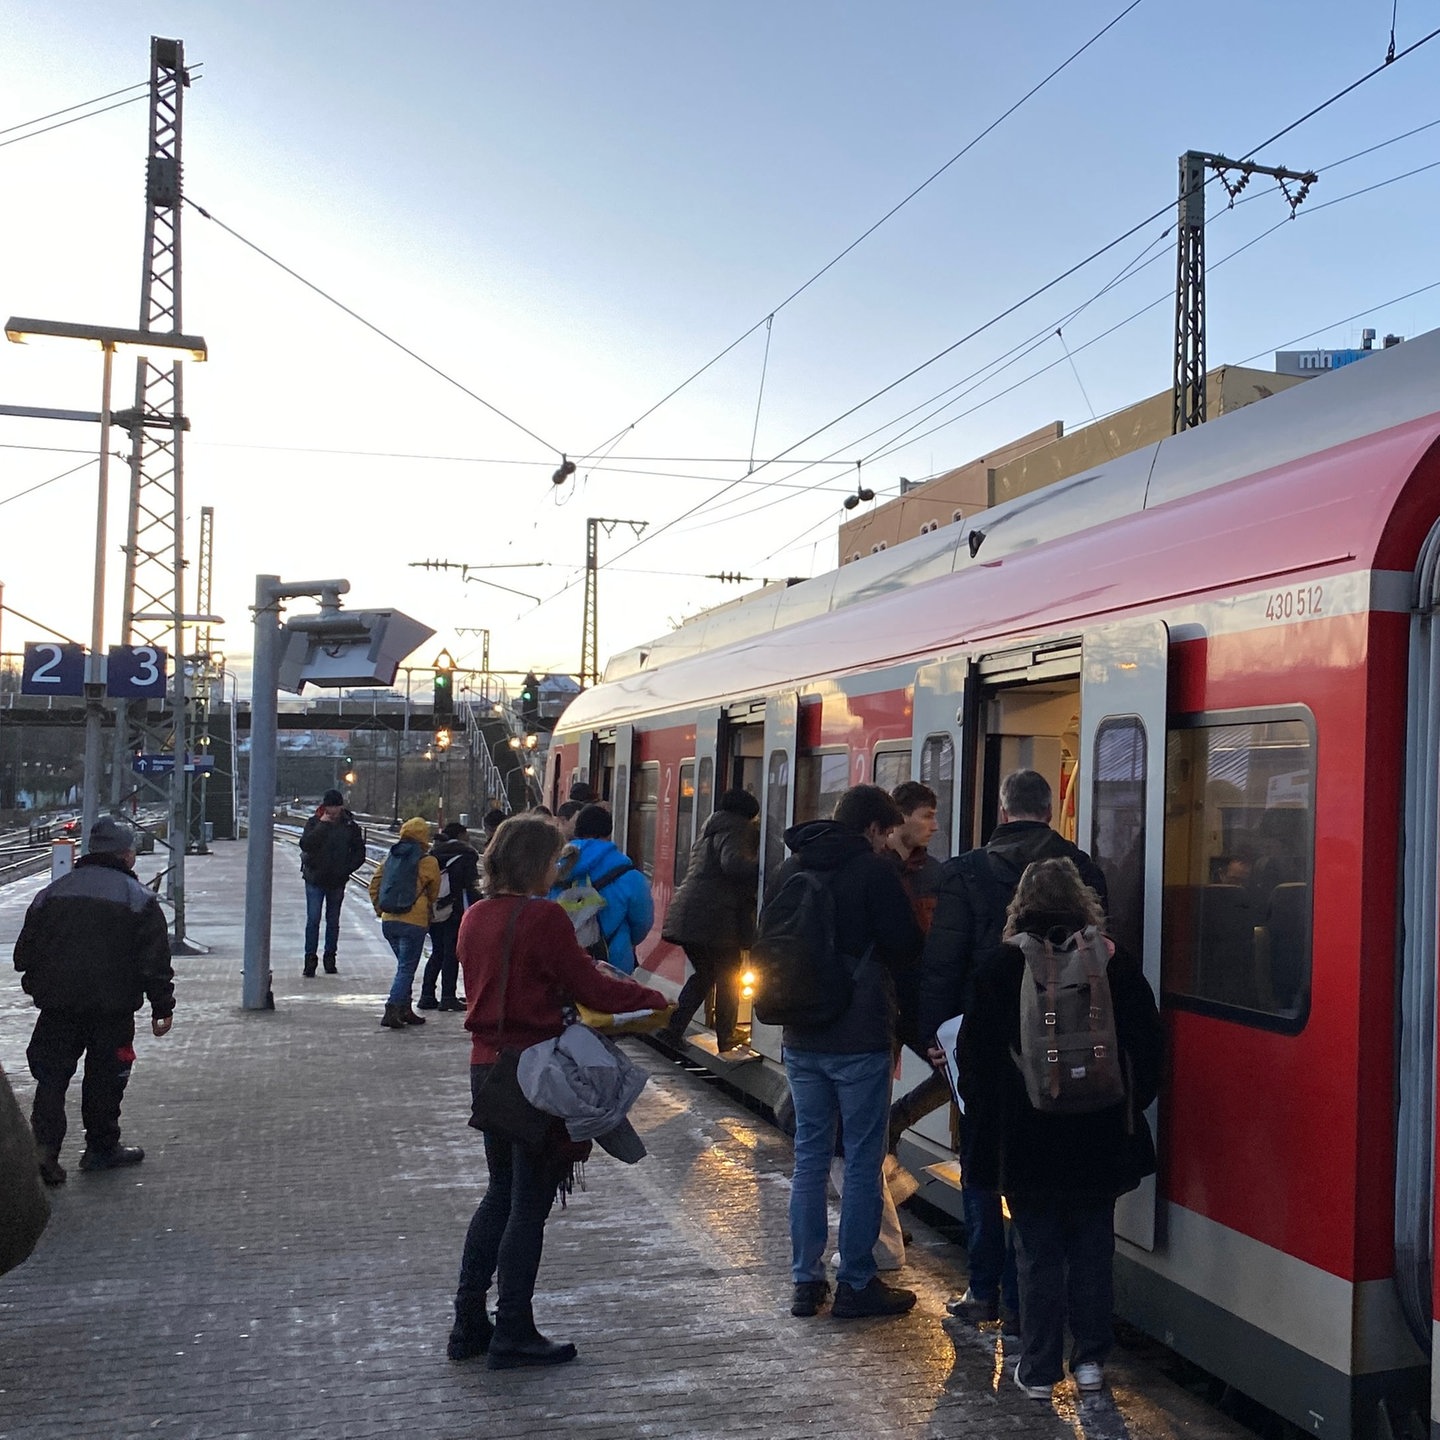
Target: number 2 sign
{"x": 52, "y": 669}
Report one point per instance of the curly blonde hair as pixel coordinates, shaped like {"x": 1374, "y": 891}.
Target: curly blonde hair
{"x": 1052, "y": 887}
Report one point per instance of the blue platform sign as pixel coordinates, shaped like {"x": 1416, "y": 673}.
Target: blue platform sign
{"x": 53, "y": 669}
{"x": 135, "y": 672}
{"x": 154, "y": 764}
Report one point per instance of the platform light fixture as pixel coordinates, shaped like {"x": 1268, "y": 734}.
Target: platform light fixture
{"x": 22, "y": 330}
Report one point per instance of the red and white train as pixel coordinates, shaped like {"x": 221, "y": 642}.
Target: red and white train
{"x": 1223, "y": 651}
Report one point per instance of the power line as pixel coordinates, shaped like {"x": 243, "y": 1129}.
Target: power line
{"x": 75, "y": 469}
{"x": 894, "y": 209}
{"x": 193, "y": 71}
{"x": 74, "y": 119}
{"x": 41, "y": 119}
{"x": 370, "y": 325}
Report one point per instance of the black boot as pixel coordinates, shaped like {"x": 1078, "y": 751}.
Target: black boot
{"x": 311, "y": 961}
{"x": 506, "y": 1354}
{"x": 471, "y": 1332}
{"x": 330, "y": 963}
{"x": 428, "y": 1002}
{"x": 52, "y": 1172}
{"x": 393, "y": 1018}
{"x": 111, "y": 1159}
{"x": 408, "y": 1015}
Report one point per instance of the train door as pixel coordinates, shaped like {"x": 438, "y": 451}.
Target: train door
{"x": 939, "y": 718}
{"x": 585, "y": 769}
{"x": 777, "y": 813}
{"x": 620, "y": 792}
{"x": 708, "y": 741}
{"x": 1120, "y": 790}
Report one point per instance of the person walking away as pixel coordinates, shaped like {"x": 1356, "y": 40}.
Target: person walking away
{"x": 93, "y": 949}
{"x": 459, "y": 863}
{"x": 975, "y": 891}
{"x": 332, "y": 848}
{"x": 1060, "y": 1169}
{"x": 565, "y": 816}
{"x": 490, "y": 822}
{"x": 547, "y": 969}
{"x": 629, "y": 909}
{"x": 840, "y": 1072}
{"x": 403, "y": 891}
{"x": 712, "y": 915}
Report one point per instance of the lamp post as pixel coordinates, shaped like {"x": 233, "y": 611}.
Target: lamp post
{"x": 109, "y": 338}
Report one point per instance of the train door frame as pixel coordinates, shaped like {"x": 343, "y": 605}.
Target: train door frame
{"x": 585, "y": 744}
{"x": 781, "y": 737}
{"x": 1125, "y": 677}
{"x": 938, "y": 708}
{"x": 621, "y": 789}
{"x": 710, "y": 727}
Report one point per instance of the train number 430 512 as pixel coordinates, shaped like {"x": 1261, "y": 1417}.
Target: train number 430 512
{"x": 1297, "y": 603}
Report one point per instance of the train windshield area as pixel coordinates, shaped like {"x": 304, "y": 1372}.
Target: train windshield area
{"x": 1239, "y": 855}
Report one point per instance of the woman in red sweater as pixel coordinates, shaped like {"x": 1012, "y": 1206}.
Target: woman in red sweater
{"x": 547, "y": 969}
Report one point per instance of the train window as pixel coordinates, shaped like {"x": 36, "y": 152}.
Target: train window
{"x": 892, "y": 768}
{"x": 704, "y": 792}
{"x": 684, "y": 820}
{"x": 777, "y": 802}
{"x": 1239, "y": 857}
{"x": 937, "y": 770}
{"x": 1118, "y": 842}
{"x": 644, "y": 808}
{"x": 820, "y": 780}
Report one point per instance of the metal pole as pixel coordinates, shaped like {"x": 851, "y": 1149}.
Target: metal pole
{"x": 260, "y": 856}
{"x": 401, "y": 741}
{"x": 94, "y": 678}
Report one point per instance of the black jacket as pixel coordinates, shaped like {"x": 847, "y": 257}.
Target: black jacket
{"x": 1043, "y": 1160}
{"x": 716, "y": 903}
{"x": 96, "y": 939}
{"x": 975, "y": 890}
{"x": 461, "y": 861}
{"x": 331, "y": 850}
{"x": 874, "y": 926}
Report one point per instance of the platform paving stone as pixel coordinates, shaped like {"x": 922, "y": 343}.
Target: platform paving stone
{"x": 282, "y": 1263}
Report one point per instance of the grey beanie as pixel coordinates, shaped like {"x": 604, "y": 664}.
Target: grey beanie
{"x": 109, "y": 836}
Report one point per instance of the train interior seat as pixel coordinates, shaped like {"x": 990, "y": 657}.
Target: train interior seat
{"x": 1225, "y": 944}
{"x": 1288, "y": 926}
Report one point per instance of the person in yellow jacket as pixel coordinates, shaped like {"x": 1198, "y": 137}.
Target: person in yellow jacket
{"x": 403, "y": 891}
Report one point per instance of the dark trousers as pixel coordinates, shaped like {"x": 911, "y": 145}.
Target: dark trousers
{"x": 716, "y": 967}
{"x": 106, "y": 1039}
{"x": 989, "y": 1246}
{"x": 507, "y": 1231}
{"x": 329, "y": 898}
{"x": 444, "y": 963}
{"x": 1066, "y": 1260}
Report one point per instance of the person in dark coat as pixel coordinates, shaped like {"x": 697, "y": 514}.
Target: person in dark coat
{"x": 460, "y": 862}
{"x": 332, "y": 848}
{"x": 712, "y": 915}
{"x": 840, "y": 1072}
{"x": 975, "y": 892}
{"x": 1059, "y": 1173}
{"x": 93, "y": 949}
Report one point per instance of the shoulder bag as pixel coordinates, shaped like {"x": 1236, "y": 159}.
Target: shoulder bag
{"x": 24, "y": 1206}
{"x": 497, "y": 1103}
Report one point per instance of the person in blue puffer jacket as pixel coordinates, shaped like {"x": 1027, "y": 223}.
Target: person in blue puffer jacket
{"x": 629, "y": 909}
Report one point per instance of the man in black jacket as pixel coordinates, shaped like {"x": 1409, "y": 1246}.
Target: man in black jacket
{"x": 460, "y": 884}
{"x": 93, "y": 949}
{"x": 975, "y": 890}
{"x": 840, "y": 1072}
{"x": 332, "y": 848}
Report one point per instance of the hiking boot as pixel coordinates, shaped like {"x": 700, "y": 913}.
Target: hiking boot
{"x": 427, "y": 1002}
{"x": 112, "y": 1159}
{"x": 451, "y": 1004}
{"x": 809, "y": 1296}
{"x": 393, "y": 1018}
{"x": 330, "y": 965}
{"x": 311, "y": 961}
{"x": 408, "y": 1015}
{"x": 470, "y": 1334}
{"x": 52, "y": 1172}
{"x": 1035, "y": 1392}
{"x": 513, "y": 1354}
{"x": 877, "y": 1298}
{"x": 1089, "y": 1378}
{"x": 971, "y": 1307}
{"x": 1009, "y": 1322}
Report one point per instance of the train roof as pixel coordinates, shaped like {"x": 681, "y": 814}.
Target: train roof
{"x": 754, "y": 646}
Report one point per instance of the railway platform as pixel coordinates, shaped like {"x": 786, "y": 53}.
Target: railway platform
{"x": 283, "y": 1261}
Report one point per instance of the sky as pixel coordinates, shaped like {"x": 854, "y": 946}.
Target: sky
{"x": 568, "y": 207}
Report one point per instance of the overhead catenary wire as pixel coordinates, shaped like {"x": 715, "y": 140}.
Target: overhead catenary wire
{"x": 30, "y": 490}
{"x": 889, "y": 214}
{"x": 80, "y": 105}
{"x": 374, "y": 328}
{"x": 31, "y": 134}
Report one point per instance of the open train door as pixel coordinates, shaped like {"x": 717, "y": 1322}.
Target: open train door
{"x": 1120, "y": 791}
{"x": 707, "y": 759}
{"x": 777, "y": 814}
{"x": 938, "y": 718}
{"x": 620, "y": 796}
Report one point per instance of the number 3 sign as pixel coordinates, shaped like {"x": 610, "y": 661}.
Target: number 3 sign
{"x": 135, "y": 672}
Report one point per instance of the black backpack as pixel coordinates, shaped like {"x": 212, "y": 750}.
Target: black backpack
{"x": 801, "y": 978}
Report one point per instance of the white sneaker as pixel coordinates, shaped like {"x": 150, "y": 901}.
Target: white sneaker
{"x": 1089, "y": 1378}
{"x": 1035, "y": 1392}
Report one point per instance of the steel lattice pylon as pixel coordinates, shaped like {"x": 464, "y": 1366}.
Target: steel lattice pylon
{"x": 154, "y": 606}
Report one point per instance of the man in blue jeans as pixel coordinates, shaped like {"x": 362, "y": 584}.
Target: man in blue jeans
{"x": 332, "y": 848}
{"x": 840, "y": 1072}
